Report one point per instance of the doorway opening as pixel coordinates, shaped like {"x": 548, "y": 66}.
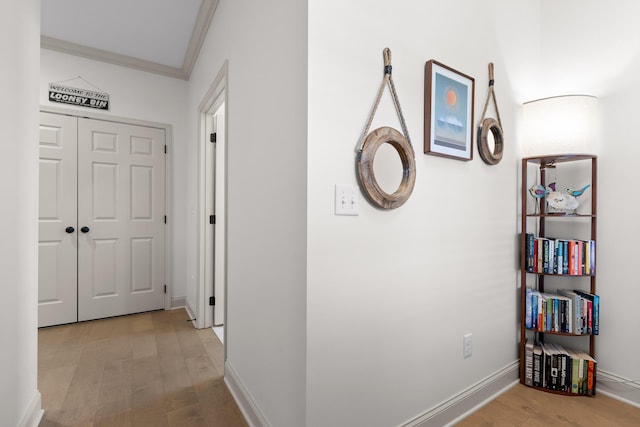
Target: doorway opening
{"x": 212, "y": 235}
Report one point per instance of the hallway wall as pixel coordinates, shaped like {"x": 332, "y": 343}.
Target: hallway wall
{"x": 391, "y": 293}
{"x": 20, "y": 404}
{"x": 265, "y": 46}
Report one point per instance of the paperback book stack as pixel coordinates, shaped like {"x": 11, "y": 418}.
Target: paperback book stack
{"x": 553, "y": 367}
{"x": 545, "y": 255}
{"x": 566, "y": 311}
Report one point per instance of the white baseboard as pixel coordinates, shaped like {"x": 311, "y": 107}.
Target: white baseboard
{"x": 178, "y": 302}
{"x": 191, "y": 314}
{"x": 34, "y": 412}
{"x": 619, "y": 388}
{"x": 243, "y": 398}
{"x": 473, "y": 398}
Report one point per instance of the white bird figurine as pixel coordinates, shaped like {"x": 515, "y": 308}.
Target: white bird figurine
{"x": 562, "y": 201}
{"x": 538, "y": 191}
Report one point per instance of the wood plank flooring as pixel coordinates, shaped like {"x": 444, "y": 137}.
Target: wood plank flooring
{"x": 526, "y": 407}
{"x": 155, "y": 369}
{"x": 149, "y": 369}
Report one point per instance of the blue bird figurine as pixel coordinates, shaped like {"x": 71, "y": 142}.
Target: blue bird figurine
{"x": 576, "y": 193}
{"x": 538, "y": 191}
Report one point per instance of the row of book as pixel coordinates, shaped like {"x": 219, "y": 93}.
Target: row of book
{"x": 554, "y": 367}
{"x": 566, "y": 311}
{"x": 545, "y": 255}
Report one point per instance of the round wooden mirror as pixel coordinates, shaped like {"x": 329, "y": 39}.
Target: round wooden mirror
{"x": 490, "y": 141}
{"x": 366, "y": 173}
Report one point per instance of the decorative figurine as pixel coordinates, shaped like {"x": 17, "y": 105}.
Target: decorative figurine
{"x": 538, "y": 191}
{"x": 576, "y": 193}
{"x": 561, "y": 202}
{"x": 558, "y": 201}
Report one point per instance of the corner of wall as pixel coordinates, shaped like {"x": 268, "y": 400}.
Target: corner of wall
{"x": 243, "y": 398}
{"x": 34, "y": 412}
{"x": 178, "y": 302}
{"x": 467, "y": 401}
{"x": 619, "y": 388}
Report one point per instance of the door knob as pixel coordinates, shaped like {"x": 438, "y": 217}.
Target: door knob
{"x": 85, "y": 229}
{"x": 69, "y": 230}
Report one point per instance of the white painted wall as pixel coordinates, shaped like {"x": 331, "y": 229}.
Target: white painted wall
{"x": 359, "y": 320}
{"x": 19, "y": 44}
{"x": 589, "y": 48}
{"x": 265, "y": 44}
{"x": 391, "y": 293}
{"x": 142, "y": 96}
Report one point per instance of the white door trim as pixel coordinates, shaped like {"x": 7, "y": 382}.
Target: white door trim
{"x": 212, "y": 100}
{"x": 167, "y": 176}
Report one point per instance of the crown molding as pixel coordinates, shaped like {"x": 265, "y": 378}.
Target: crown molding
{"x": 203, "y": 20}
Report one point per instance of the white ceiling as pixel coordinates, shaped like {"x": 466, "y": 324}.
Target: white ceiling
{"x": 159, "y": 36}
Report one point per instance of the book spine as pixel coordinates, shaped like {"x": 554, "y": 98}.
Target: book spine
{"x": 596, "y": 315}
{"x": 591, "y": 378}
{"x": 530, "y": 241}
{"x": 528, "y": 317}
{"x": 585, "y": 316}
{"x": 539, "y": 252}
{"x": 589, "y": 316}
{"x": 528, "y": 364}
{"x": 587, "y": 258}
{"x": 545, "y": 256}
{"x": 572, "y": 258}
{"x": 537, "y": 366}
{"x": 534, "y": 309}
{"x": 575, "y": 370}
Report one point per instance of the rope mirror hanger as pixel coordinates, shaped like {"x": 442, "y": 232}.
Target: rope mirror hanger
{"x": 370, "y": 144}
{"x": 490, "y": 156}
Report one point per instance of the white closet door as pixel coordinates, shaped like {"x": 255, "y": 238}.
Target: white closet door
{"x": 121, "y": 211}
{"x": 57, "y": 254}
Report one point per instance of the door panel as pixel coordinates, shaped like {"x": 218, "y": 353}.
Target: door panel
{"x": 57, "y": 253}
{"x": 121, "y": 201}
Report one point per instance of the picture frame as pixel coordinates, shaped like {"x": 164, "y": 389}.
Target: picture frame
{"x": 448, "y": 112}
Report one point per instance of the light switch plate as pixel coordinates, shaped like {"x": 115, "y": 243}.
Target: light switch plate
{"x": 346, "y": 202}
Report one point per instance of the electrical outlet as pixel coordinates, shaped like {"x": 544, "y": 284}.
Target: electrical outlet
{"x": 467, "y": 346}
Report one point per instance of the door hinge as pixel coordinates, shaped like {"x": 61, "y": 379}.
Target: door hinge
{"x": 212, "y": 219}
{"x": 212, "y": 300}
{"x": 165, "y": 289}
{"x": 213, "y": 137}
{"x": 165, "y": 219}
{"x": 165, "y": 149}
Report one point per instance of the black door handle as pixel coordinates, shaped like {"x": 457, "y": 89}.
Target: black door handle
{"x": 69, "y": 230}
{"x": 85, "y": 229}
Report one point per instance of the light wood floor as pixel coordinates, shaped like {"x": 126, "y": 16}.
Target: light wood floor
{"x": 151, "y": 369}
{"x": 527, "y": 407}
{"x": 155, "y": 369}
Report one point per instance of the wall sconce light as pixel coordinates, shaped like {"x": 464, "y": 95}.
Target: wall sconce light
{"x": 561, "y": 124}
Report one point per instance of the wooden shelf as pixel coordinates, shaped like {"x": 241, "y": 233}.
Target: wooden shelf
{"x": 586, "y": 224}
